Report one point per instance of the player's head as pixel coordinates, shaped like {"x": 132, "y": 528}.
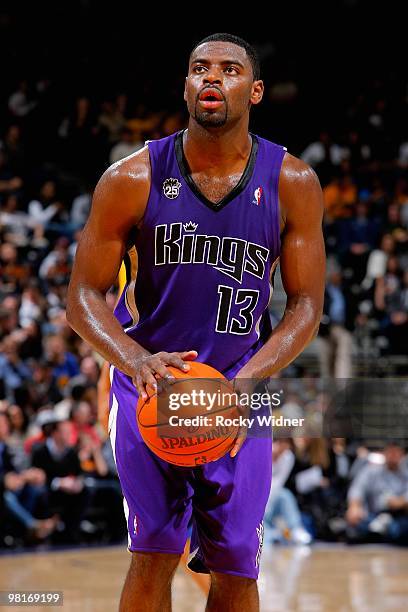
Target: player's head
{"x": 223, "y": 80}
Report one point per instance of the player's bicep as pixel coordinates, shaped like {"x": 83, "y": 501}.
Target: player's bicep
{"x": 98, "y": 258}
{"x": 302, "y": 265}
{"x": 103, "y": 240}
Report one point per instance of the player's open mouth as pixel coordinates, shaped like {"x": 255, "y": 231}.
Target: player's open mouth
{"x": 211, "y": 98}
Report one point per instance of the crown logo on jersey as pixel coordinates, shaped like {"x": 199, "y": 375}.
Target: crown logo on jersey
{"x": 257, "y": 196}
{"x": 171, "y": 188}
{"x": 190, "y": 226}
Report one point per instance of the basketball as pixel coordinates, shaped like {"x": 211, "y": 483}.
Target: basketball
{"x": 192, "y": 421}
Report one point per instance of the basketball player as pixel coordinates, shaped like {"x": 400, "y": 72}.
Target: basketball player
{"x": 208, "y": 211}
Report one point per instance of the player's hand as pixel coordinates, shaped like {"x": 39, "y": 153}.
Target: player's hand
{"x": 241, "y": 385}
{"x": 151, "y": 367}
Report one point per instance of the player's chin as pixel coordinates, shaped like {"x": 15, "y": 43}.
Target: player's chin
{"x": 211, "y": 119}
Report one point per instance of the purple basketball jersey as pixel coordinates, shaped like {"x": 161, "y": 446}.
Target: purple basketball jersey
{"x": 204, "y": 270}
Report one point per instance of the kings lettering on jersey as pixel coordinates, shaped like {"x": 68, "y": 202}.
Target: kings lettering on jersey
{"x": 178, "y": 243}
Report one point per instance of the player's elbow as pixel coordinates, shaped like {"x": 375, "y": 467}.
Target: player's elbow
{"x": 315, "y": 329}
{"x": 313, "y": 314}
{"x": 316, "y": 319}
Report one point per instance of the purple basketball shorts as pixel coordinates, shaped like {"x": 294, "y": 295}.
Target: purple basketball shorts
{"x": 224, "y": 501}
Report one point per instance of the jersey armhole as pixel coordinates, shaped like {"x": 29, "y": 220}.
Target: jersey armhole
{"x": 152, "y": 165}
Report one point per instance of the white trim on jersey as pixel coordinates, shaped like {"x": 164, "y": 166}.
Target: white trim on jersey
{"x": 126, "y": 510}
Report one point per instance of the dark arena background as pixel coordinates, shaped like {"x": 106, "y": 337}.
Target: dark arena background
{"x": 84, "y": 84}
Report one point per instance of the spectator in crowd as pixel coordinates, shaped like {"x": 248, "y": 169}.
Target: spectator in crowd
{"x": 112, "y": 120}
{"x": 20, "y": 104}
{"x": 64, "y": 364}
{"x": 103, "y": 487}
{"x": 358, "y": 236}
{"x": 81, "y": 150}
{"x": 391, "y": 300}
{"x": 18, "y": 227}
{"x": 335, "y": 341}
{"x": 32, "y": 304}
{"x": 377, "y": 260}
{"x": 318, "y": 481}
{"x": 323, "y": 155}
{"x": 18, "y": 421}
{"x": 14, "y": 149}
{"x": 44, "y": 390}
{"x": 8, "y": 315}
{"x": 395, "y": 226}
{"x": 56, "y": 265}
{"x": 14, "y": 273}
{"x": 21, "y": 491}
{"x": 81, "y": 205}
{"x": 9, "y": 181}
{"x": 13, "y": 371}
{"x": 340, "y": 195}
{"x": 282, "y": 504}
{"x": 68, "y": 496}
{"x": 90, "y": 371}
{"x": 45, "y": 207}
{"x": 82, "y": 423}
{"x": 127, "y": 145}
{"x": 378, "y": 499}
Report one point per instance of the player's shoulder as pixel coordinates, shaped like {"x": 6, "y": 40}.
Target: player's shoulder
{"x": 131, "y": 170}
{"x": 123, "y": 190}
{"x": 296, "y": 172}
{"x": 299, "y": 191}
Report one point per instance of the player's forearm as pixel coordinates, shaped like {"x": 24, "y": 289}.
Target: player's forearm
{"x": 89, "y": 315}
{"x": 297, "y": 328}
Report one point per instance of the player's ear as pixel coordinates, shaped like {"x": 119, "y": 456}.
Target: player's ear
{"x": 185, "y": 90}
{"x": 257, "y": 92}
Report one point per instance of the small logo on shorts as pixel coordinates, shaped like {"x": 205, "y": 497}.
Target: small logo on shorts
{"x": 135, "y": 525}
{"x": 171, "y": 188}
{"x": 257, "y": 196}
{"x": 260, "y": 534}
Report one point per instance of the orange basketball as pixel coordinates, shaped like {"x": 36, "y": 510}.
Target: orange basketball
{"x": 192, "y": 421}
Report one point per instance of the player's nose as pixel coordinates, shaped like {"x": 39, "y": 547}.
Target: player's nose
{"x": 213, "y": 77}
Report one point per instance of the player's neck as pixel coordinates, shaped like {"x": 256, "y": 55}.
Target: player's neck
{"x": 205, "y": 148}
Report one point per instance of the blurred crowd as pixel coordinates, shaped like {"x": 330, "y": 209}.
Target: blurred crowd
{"x": 58, "y": 479}
{"x": 332, "y": 490}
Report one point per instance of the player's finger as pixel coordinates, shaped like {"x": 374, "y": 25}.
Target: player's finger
{"x": 159, "y": 367}
{"x": 166, "y": 378}
{"x": 148, "y": 378}
{"x": 138, "y": 382}
{"x": 188, "y": 355}
{"x": 239, "y": 440}
{"x": 176, "y": 361}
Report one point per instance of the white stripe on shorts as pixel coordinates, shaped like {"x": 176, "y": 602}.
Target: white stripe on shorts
{"x": 112, "y": 424}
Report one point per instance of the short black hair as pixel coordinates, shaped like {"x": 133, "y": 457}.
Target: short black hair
{"x": 240, "y": 42}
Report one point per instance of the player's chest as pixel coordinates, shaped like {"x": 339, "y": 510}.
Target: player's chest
{"x": 214, "y": 188}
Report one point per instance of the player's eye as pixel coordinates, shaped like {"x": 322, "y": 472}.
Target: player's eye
{"x": 231, "y": 70}
{"x": 199, "y": 69}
